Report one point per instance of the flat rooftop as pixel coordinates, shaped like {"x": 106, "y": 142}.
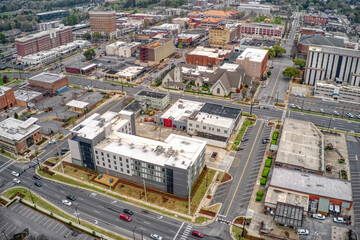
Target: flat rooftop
{"x": 3, "y": 90}
{"x": 222, "y": 111}
{"x": 314, "y": 184}
{"x": 182, "y": 109}
{"x": 130, "y": 71}
{"x": 275, "y": 195}
{"x": 156, "y": 43}
{"x": 178, "y": 151}
{"x": 209, "y": 52}
{"x": 47, "y": 77}
{"x": 212, "y": 119}
{"x": 26, "y": 95}
{"x": 152, "y": 94}
{"x": 336, "y": 50}
{"x": 77, "y": 104}
{"x": 50, "y": 12}
{"x": 15, "y": 129}
{"x": 301, "y": 144}
{"x": 253, "y": 54}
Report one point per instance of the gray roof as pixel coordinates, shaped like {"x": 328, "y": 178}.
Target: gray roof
{"x": 228, "y": 78}
{"x": 288, "y": 214}
{"x": 323, "y": 205}
{"x": 152, "y": 94}
{"x": 220, "y": 110}
{"x": 15, "y": 129}
{"x": 47, "y": 77}
{"x": 322, "y": 41}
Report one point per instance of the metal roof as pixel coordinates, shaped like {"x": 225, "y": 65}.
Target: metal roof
{"x": 289, "y": 215}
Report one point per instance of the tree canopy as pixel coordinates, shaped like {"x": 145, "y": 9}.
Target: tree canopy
{"x": 291, "y": 72}
{"x": 89, "y": 54}
{"x": 278, "y": 51}
{"x": 300, "y": 62}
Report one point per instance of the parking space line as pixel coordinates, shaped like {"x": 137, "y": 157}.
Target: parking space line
{"x": 4, "y": 226}
{"x": 25, "y": 208}
{"x": 44, "y": 223}
{"x": 28, "y": 213}
{"x": 59, "y": 228}
{"x": 39, "y": 217}
{"x": 67, "y": 234}
{"x": 35, "y": 214}
{"x": 51, "y": 223}
{"x": 9, "y": 232}
{"x": 19, "y": 209}
{"x": 54, "y": 226}
{"x": 14, "y": 207}
{"x": 8, "y": 227}
{"x": 63, "y": 231}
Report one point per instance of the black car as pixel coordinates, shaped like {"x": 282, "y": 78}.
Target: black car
{"x": 128, "y": 211}
{"x": 239, "y": 148}
{"x": 37, "y": 184}
{"x": 244, "y": 139}
{"x": 71, "y": 197}
{"x": 37, "y": 177}
{"x": 265, "y": 140}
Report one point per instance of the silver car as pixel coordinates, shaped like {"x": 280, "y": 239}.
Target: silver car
{"x": 321, "y": 110}
{"x": 336, "y": 113}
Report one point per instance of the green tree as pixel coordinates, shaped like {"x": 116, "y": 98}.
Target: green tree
{"x": 96, "y": 36}
{"x": 72, "y": 19}
{"x": 89, "y": 54}
{"x": 16, "y": 116}
{"x": 278, "y": 51}
{"x": 86, "y": 36}
{"x": 2, "y": 38}
{"x": 180, "y": 46}
{"x": 300, "y": 62}
{"x": 291, "y": 72}
{"x": 5, "y": 79}
{"x": 271, "y": 52}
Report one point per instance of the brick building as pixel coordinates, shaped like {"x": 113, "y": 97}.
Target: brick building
{"x": 49, "y": 81}
{"x": 253, "y": 61}
{"x": 206, "y": 56}
{"x": 312, "y": 31}
{"x": 221, "y": 36}
{"x": 316, "y": 19}
{"x": 7, "y": 98}
{"x": 103, "y": 22}
{"x": 43, "y": 41}
{"x": 18, "y": 136}
{"x": 153, "y": 53}
{"x": 271, "y": 30}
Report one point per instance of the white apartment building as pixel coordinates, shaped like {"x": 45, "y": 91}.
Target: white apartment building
{"x": 171, "y": 166}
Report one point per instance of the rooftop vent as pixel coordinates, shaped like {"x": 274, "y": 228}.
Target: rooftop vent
{"x": 131, "y": 145}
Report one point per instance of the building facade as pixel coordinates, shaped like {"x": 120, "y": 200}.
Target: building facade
{"x": 333, "y": 91}
{"x": 153, "y": 53}
{"x": 103, "y": 22}
{"x": 253, "y": 61}
{"x": 270, "y": 30}
{"x": 341, "y": 65}
{"x": 316, "y": 19}
{"x": 155, "y": 100}
{"x": 7, "y": 98}
{"x": 43, "y": 41}
{"x": 18, "y": 136}
{"x": 220, "y": 37}
{"x": 206, "y": 56}
{"x": 49, "y": 81}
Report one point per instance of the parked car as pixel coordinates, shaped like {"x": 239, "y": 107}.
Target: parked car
{"x": 125, "y": 217}
{"x": 244, "y": 139}
{"x": 16, "y": 180}
{"x": 336, "y": 113}
{"x": 66, "y": 202}
{"x": 197, "y": 234}
{"x": 71, "y": 197}
{"x": 292, "y": 105}
{"x": 37, "y": 177}
{"x": 298, "y": 107}
{"x": 339, "y": 220}
{"x": 15, "y": 174}
{"x": 113, "y": 84}
{"x": 239, "y": 148}
{"x": 318, "y": 216}
{"x": 349, "y": 115}
{"x": 155, "y": 236}
{"x": 128, "y": 211}
{"x": 52, "y": 141}
{"x": 37, "y": 184}
{"x": 321, "y": 110}
{"x": 358, "y": 116}
{"x": 265, "y": 140}
{"x": 303, "y": 231}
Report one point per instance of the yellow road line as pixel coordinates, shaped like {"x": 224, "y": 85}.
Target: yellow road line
{"x": 272, "y": 92}
{"x": 242, "y": 174}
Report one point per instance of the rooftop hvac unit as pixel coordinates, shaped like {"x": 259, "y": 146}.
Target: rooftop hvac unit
{"x": 131, "y": 145}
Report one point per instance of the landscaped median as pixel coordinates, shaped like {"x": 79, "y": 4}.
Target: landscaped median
{"x": 52, "y": 211}
{"x": 248, "y": 122}
{"x": 128, "y": 191}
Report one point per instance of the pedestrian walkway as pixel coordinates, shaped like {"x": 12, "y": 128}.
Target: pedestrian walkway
{"x": 4, "y": 166}
{"x": 186, "y": 232}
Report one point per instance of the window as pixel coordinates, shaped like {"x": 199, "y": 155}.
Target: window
{"x": 163, "y": 169}
{"x": 109, "y": 165}
{"x": 225, "y": 131}
{"x": 218, "y": 130}
{"x": 103, "y": 159}
{"x": 197, "y": 125}
{"x": 102, "y": 154}
{"x": 115, "y": 167}
{"x": 122, "y": 169}
{"x": 98, "y": 162}
{"x": 120, "y": 158}
{"x": 127, "y": 160}
{"x": 127, "y": 165}
{"x": 114, "y": 162}
{"x": 190, "y": 124}
{"x": 97, "y": 157}
{"x": 114, "y": 157}
{"x": 108, "y": 160}
{"x": 204, "y": 127}
{"x": 108, "y": 155}
{"x": 218, "y": 90}
{"x": 128, "y": 171}
{"x": 104, "y": 164}
{"x": 96, "y": 152}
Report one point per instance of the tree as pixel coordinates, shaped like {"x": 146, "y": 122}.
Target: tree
{"x": 2, "y": 38}
{"x": 291, "y": 72}
{"x": 300, "y": 62}
{"x": 86, "y": 36}
{"x": 89, "y": 54}
{"x": 278, "y": 51}
{"x": 269, "y": 73}
{"x": 180, "y": 46}
{"x": 16, "y": 116}
{"x": 5, "y": 79}
{"x": 271, "y": 52}
{"x": 96, "y": 36}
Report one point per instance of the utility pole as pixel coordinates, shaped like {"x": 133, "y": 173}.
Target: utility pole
{"x": 329, "y": 124}
{"x": 77, "y": 214}
{"x": 251, "y": 104}
{"x": 145, "y": 190}
{"x": 134, "y": 232}
{"x": 57, "y": 146}
{"x": 32, "y": 199}
{"x": 82, "y": 79}
{"x": 302, "y": 106}
{"x": 342, "y": 115}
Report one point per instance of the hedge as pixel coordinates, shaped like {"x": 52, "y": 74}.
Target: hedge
{"x": 258, "y": 199}
{"x": 259, "y": 193}
{"x": 269, "y": 156}
{"x": 273, "y": 142}
{"x": 266, "y": 172}
{"x": 262, "y": 181}
{"x": 268, "y": 162}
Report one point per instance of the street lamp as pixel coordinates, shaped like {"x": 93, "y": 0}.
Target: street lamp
{"x": 134, "y": 232}
{"x": 77, "y": 214}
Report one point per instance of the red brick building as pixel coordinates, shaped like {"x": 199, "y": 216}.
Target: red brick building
{"x": 312, "y": 31}
{"x": 103, "y": 22}
{"x": 43, "y": 41}
{"x": 207, "y": 56}
{"x": 49, "y": 81}
{"x": 316, "y": 19}
{"x": 273, "y": 30}
{"x": 7, "y": 98}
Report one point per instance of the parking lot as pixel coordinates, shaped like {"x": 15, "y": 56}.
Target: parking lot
{"x": 38, "y": 223}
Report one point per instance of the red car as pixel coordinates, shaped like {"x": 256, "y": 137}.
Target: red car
{"x": 197, "y": 234}
{"x": 159, "y": 69}
{"x": 125, "y": 217}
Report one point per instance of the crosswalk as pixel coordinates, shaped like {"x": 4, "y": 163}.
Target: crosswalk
{"x": 186, "y": 231}
{"x": 4, "y": 166}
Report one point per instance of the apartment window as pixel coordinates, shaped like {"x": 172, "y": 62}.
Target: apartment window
{"x": 225, "y": 131}
{"x": 109, "y": 165}
{"x": 122, "y": 169}
{"x": 121, "y": 165}
{"x": 114, "y": 162}
{"x": 97, "y": 157}
{"x": 108, "y": 155}
{"x": 163, "y": 169}
{"x": 115, "y": 167}
{"x": 103, "y": 159}
{"x": 128, "y": 171}
{"x": 127, "y": 165}
{"x": 104, "y": 164}
{"x": 218, "y": 130}
{"x": 197, "y": 125}
{"x": 204, "y": 127}
{"x": 98, "y": 163}
{"x": 120, "y": 158}
{"x": 102, "y": 154}
{"x": 127, "y": 160}
{"x": 108, "y": 160}
{"x": 114, "y": 157}
{"x": 96, "y": 152}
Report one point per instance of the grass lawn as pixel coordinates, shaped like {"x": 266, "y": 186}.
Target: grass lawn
{"x": 7, "y": 154}
{"x": 13, "y": 82}
{"x": 60, "y": 137}
{"x": 241, "y": 132}
{"x": 237, "y": 232}
{"x": 200, "y": 220}
{"x": 41, "y": 203}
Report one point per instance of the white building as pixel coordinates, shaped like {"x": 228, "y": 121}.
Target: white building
{"x": 155, "y": 100}
{"x": 341, "y": 65}
{"x": 342, "y": 92}
{"x": 255, "y": 7}
{"x": 122, "y": 49}
{"x": 171, "y": 166}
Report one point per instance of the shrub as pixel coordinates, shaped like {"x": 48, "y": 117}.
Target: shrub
{"x": 262, "y": 181}
{"x": 341, "y": 160}
{"x": 273, "y": 142}
{"x": 260, "y": 193}
{"x": 268, "y": 163}
{"x": 269, "y": 156}
{"x": 266, "y": 172}
{"x": 258, "y": 199}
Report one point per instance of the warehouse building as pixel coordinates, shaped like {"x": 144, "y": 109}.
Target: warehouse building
{"x": 49, "y": 81}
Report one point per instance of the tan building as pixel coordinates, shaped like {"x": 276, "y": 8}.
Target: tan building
{"x": 253, "y": 61}
{"x": 103, "y": 22}
{"x": 154, "y": 52}
{"x": 221, "y": 36}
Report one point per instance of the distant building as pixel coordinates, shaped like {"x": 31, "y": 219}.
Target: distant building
{"x": 86, "y": 135}
{"x": 18, "y": 136}
{"x": 49, "y": 81}
{"x": 341, "y": 65}
{"x": 332, "y": 91}
{"x": 44, "y": 26}
{"x": 52, "y": 14}
{"x": 43, "y": 41}
{"x": 183, "y": 22}
{"x": 154, "y": 100}
{"x": 221, "y": 36}
{"x": 206, "y": 56}
{"x": 156, "y": 51}
{"x": 84, "y": 68}
{"x": 317, "y": 40}
{"x": 103, "y": 22}
{"x": 316, "y": 19}
{"x": 7, "y": 98}
{"x": 262, "y": 29}
{"x": 253, "y": 61}
{"x": 312, "y": 31}
{"x": 77, "y": 106}
{"x": 254, "y": 8}
{"x": 125, "y": 75}
{"x": 26, "y": 98}
{"x": 211, "y": 22}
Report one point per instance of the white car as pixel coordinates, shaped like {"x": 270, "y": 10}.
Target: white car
{"x": 16, "y": 180}
{"x": 155, "y": 236}
{"x": 321, "y": 110}
{"x": 349, "y": 115}
{"x": 66, "y": 202}
{"x": 303, "y": 232}
{"x": 336, "y": 113}
{"x": 15, "y": 174}
{"x": 292, "y": 105}
{"x": 318, "y": 216}
{"x": 52, "y": 141}
{"x": 339, "y": 220}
